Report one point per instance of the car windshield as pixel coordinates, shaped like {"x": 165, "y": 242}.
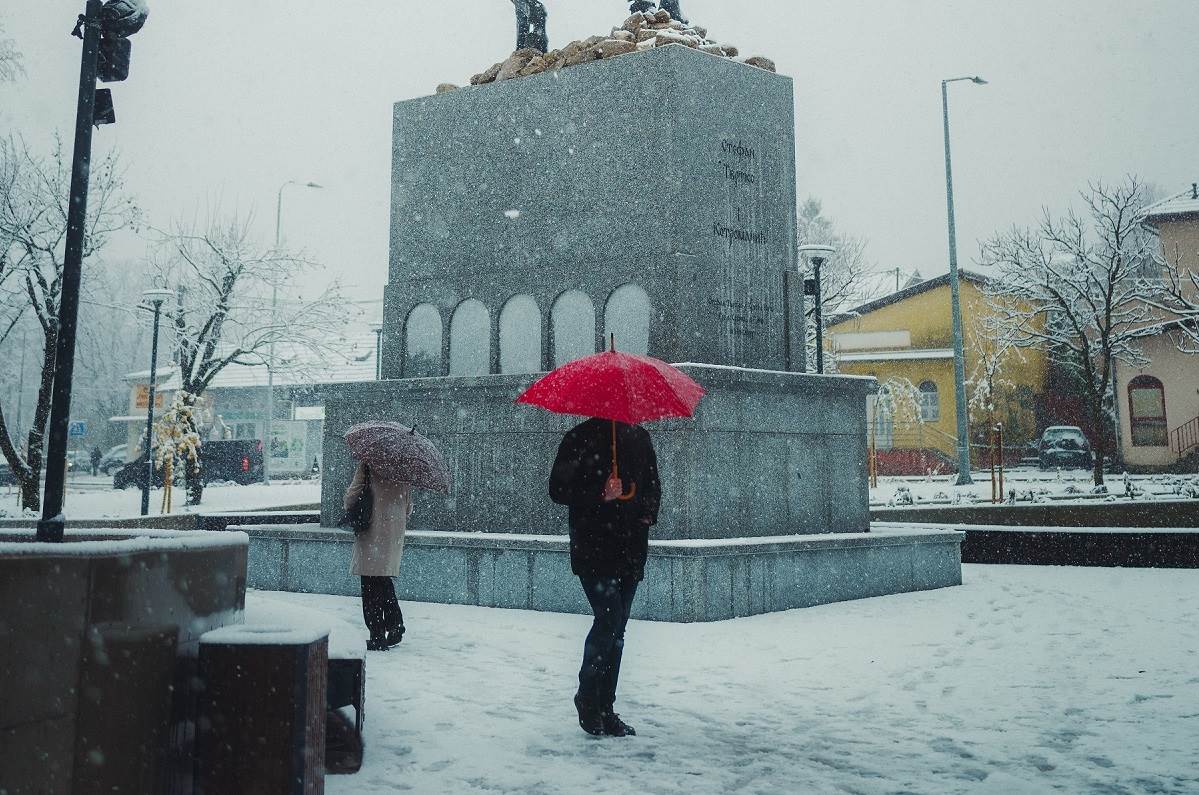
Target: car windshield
{"x": 1054, "y": 436}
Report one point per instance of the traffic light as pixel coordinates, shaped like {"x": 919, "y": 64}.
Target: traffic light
{"x": 119, "y": 19}
{"x": 113, "y": 63}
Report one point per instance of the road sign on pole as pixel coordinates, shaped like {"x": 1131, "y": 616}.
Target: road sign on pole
{"x": 77, "y": 429}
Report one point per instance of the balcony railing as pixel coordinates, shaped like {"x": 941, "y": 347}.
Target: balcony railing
{"x": 1185, "y": 438}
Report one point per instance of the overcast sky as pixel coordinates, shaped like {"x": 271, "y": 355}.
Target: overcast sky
{"x": 230, "y": 98}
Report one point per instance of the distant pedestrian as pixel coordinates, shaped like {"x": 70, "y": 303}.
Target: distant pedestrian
{"x": 96, "y": 457}
{"x": 610, "y": 517}
{"x": 377, "y": 552}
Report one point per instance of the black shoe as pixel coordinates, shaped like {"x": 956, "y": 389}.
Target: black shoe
{"x": 615, "y": 727}
{"x": 389, "y": 638}
{"x": 590, "y": 719}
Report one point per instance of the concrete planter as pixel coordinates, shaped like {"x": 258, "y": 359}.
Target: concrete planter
{"x": 98, "y": 637}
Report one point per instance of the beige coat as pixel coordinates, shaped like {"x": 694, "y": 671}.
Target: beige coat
{"x": 377, "y": 551}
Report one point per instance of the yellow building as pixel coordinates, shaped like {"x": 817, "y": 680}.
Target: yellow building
{"x": 905, "y": 340}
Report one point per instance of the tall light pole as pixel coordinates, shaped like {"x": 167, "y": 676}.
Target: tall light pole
{"x": 154, "y": 299}
{"x": 959, "y": 356}
{"x": 817, "y": 256}
{"x": 270, "y": 364}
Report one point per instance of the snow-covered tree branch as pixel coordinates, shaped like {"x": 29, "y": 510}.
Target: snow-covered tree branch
{"x": 844, "y": 278}
{"x": 1177, "y": 299}
{"x": 1074, "y": 286}
{"x": 34, "y": 195}
{"x": 10, "y": 58}
{"x": 226, "y": 312}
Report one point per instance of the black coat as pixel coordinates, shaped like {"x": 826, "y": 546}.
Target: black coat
{"x": 607, "y": 539}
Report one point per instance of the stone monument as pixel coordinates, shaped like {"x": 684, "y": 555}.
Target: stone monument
{"x": 650, "y": 196}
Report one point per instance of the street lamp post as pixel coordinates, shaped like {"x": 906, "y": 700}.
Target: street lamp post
{"x": 268, "y": 428}
{"x": 154, "y": 299}
{"x": 817, "y": 256}
{"x": 378, "y": 329}
{"x": 959, "y": 356}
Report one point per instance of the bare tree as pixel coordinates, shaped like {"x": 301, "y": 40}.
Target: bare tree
{"x": 33, "y": 225}
{"x": 225, "y": 314}
{"x": 844, "y": 278}
{"x": 117, "y": 343}
{"x": 10, "y": 58}
{"x": 1177, "y": 299}
{"x": 1073, "y": 286}
{"x": 992, "y": 396}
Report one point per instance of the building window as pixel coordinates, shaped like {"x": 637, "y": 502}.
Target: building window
{"x": 520, "y": 336}
{"x": 930, "y": 402}
{"x": 422, "y": 342}
{"x": 573, "y": 324}
{"x": 1147, "y": 412}
{"x": 470, "y": 339}
{"x": 626, "y": 315}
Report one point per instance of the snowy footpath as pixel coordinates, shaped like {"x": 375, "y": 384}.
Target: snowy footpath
{"x": 1023, "y": 680}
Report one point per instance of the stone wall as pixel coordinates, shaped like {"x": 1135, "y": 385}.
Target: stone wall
{"x": 767, "y": 453}
{"x": 684, "y": 580}
{"x": 98, "y": 638}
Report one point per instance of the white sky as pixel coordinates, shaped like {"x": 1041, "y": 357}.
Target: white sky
{"x": 230, "y": 98}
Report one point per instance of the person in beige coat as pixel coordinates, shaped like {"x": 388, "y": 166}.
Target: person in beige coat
{"x": 377, "y": 553}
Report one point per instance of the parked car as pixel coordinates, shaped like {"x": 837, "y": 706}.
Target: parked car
{"x": 114, "y": 458}
{"x": 236, "y": 460}
{"x": 1064, "y": 446}
{"x": 79, "y": 461}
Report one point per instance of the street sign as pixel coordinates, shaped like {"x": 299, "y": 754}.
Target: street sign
{"x": 77, "y": 429}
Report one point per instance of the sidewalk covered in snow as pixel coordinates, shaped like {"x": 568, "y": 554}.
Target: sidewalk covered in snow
{"x": 1023, "y": 680}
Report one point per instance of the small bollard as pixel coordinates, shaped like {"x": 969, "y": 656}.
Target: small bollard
{"x": 261, "y": 724}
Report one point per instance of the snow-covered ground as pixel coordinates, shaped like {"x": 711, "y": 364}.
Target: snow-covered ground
{"x": 94, "y": 498}
{"x": 1031, "y": 485}
{"x": 1023, "y": 680}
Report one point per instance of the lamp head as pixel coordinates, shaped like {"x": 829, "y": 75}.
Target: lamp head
{"x": 978, "y": 81}
{"x": 817, "y": 254}
{"x": 157, "y": 295}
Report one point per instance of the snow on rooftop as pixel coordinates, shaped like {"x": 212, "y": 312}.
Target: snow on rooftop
{"x": 1182, "y": 203}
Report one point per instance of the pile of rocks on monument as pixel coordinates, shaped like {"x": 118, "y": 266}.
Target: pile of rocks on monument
{"x": 641, "y": 31}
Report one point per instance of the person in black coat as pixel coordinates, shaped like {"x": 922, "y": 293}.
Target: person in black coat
{"x": 609, "y": 540}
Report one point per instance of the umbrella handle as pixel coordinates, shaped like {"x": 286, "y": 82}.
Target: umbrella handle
{"x": 616, "y": 469}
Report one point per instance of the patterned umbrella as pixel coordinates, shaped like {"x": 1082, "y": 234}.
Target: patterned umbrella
{"x": 399, "y": 454}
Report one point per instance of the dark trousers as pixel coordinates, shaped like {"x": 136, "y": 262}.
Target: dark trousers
{"x": 379, "y": 606}
{"x": 611, "y": 600}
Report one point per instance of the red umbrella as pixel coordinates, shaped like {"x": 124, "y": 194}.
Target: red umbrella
{"x": 616, "y": 386}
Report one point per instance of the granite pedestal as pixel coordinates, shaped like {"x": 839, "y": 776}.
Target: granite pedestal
{"x": 649, "y": 196}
